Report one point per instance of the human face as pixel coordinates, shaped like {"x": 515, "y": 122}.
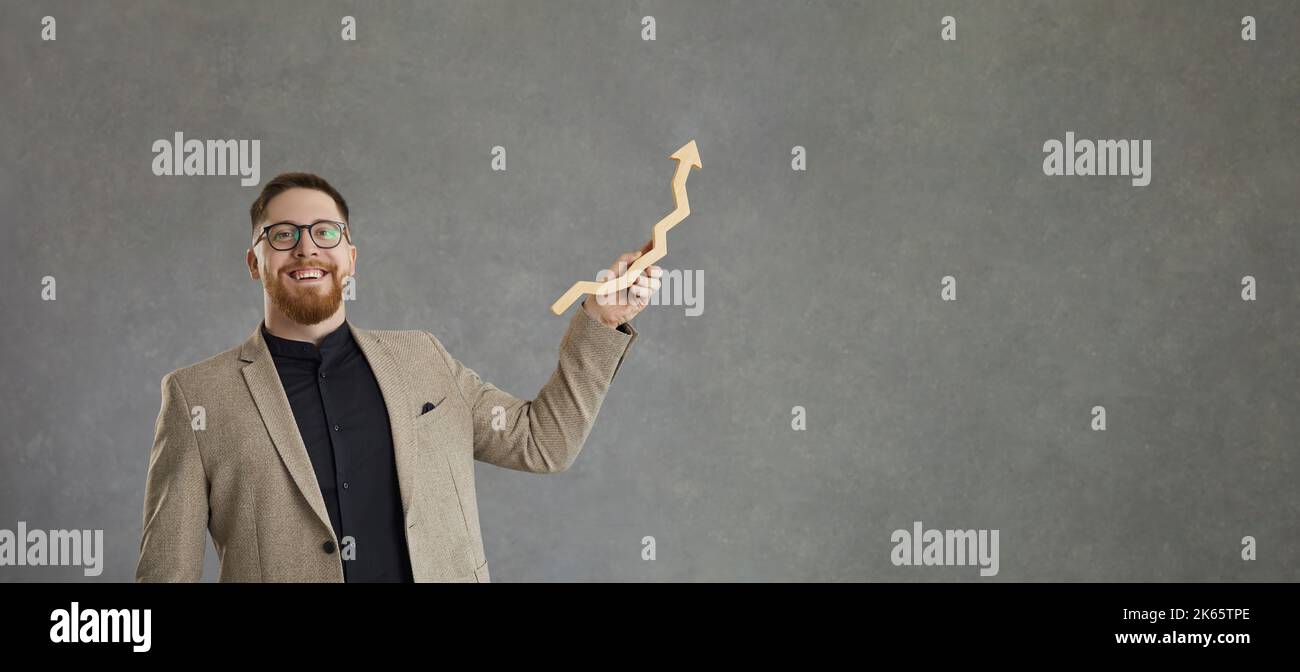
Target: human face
{"x": 304, "y": 300}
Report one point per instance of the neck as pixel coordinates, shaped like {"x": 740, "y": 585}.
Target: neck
{"x": 281, "y": 325}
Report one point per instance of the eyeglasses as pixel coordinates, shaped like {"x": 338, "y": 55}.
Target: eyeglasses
{"x": 284, "y": 236}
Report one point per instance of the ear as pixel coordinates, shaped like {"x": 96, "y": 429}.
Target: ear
{"x": 252, "y": 265}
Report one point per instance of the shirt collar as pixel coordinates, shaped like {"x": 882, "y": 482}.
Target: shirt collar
{"x": 333, "y": 345}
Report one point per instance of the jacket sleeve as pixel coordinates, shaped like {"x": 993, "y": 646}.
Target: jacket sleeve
{"x": 173, "y": 540}
{"x": 545, "y": 434}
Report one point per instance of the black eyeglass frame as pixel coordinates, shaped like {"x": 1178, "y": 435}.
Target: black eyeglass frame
{"x": 266, "y": 230}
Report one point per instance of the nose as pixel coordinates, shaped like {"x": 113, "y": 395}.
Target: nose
{"x": 306, "y": 246}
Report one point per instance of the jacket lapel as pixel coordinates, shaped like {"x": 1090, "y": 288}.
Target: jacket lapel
{"x": 268, "y": 393}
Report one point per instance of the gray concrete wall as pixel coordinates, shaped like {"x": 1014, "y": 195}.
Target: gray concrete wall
{"x": 822, "y": 287}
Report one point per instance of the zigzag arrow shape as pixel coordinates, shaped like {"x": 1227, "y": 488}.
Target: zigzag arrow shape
{"x": 687, "y": 156}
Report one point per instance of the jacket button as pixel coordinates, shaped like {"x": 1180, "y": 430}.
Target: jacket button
{"x": 328, "y": 546}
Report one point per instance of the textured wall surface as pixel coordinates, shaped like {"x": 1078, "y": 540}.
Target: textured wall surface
{"x": 822, "y": 287}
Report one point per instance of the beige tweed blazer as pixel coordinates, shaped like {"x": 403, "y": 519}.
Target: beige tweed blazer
{"x": 243, "y": 474}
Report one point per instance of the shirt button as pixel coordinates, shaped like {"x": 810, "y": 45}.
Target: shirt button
{"x": 328, "y": 546}
{"x": 322, "y": 374}
{"x": 336, "y": 428}
{"x": 345, "y": 485}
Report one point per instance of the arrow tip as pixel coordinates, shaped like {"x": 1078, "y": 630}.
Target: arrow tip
{"x": 689, "y": 153}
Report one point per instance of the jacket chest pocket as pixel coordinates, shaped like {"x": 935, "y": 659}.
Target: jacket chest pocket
{"x": 448, "y": 427}
{"x": 445, "y": 438}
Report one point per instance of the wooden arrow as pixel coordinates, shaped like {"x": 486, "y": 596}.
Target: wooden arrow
{"x": 687, "y": 156}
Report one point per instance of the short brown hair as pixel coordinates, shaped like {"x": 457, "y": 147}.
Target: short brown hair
{"x": 286, "y": 181}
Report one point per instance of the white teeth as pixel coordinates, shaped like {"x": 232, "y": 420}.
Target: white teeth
{"x": 303, "y": 275}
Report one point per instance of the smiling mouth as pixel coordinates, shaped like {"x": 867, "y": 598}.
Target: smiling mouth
{"x": 308, "y": 276}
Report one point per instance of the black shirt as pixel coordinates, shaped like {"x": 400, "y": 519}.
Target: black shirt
{"x": 344, "y": 423}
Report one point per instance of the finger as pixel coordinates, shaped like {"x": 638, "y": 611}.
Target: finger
{"x": 644, "y": 287}
{"x": 629, "y": 296}
{"x": 623, "y": 261}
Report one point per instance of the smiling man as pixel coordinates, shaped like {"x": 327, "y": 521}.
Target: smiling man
{"x": 320, "y": 451}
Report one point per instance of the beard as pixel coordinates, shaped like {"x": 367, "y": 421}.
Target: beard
{"x": 306, "y": 304}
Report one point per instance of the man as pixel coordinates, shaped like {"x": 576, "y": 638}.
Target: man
{"x": 319, "y": 451}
